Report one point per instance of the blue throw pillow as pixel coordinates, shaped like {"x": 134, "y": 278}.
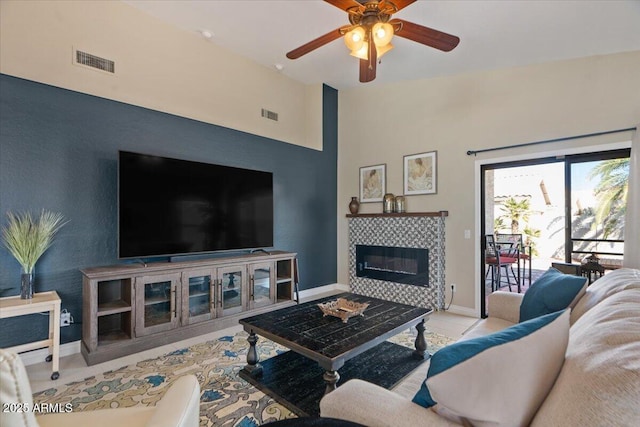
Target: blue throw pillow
{"x": 552, "y": 292}
{"x": 481, "y": 381}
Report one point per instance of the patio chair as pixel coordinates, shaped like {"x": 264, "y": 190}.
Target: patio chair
{"x": 499, "y": 257}
{"x": 523, "y": 254}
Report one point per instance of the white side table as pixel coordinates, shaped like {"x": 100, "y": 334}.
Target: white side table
{"x": 41, "y": 302}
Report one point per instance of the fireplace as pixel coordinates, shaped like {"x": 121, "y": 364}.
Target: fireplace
{"x": 423, "y": 230}
{"x": 393, "y": 264}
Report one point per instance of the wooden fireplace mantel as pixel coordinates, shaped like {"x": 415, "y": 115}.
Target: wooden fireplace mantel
{"x": 395, "y": 214}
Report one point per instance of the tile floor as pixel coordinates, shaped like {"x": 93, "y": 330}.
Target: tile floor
{"x": 74, "y": 368}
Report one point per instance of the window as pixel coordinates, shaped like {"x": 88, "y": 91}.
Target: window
{"x": 597, "y": 204}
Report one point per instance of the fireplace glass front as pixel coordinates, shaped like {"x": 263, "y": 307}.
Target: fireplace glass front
{"x": 393, "y": 264}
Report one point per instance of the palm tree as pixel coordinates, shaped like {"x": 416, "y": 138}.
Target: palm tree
{"x": 611, "y": 192}
{"x": 516, "y": 211}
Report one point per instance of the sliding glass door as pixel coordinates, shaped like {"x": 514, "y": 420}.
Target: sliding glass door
{"x": 562, "y": 208}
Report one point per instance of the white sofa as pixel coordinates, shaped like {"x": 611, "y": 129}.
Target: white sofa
{"x": 598, "y": 384}
{"x": 179, "y": 407}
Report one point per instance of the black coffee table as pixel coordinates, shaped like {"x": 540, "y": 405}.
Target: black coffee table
{"x": 326, "y": 339}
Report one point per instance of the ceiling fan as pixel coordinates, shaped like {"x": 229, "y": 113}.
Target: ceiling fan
{"x": 371, "y": 21}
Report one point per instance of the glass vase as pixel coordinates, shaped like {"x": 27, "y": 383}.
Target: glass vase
{"x": 26, "y": 286}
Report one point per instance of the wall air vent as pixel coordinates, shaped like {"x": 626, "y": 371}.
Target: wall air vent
{"x": 89, "y": 60}
{"x": 271, "y": 115}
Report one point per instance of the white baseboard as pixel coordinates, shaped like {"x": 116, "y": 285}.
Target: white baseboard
{"x": 463, "y": 311}
{"x": 310, "y": 293}
{"x": 38, "y": 356}
{"x": 67, "y": 349}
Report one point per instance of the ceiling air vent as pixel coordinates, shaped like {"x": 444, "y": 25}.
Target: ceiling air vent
{"x": 102, "y": 64}
{"x": 271, "y": 115}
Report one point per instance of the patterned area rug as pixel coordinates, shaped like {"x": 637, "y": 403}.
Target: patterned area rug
{"x": 226, "y": 399}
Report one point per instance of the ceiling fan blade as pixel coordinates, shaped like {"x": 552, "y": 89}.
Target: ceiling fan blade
{"x": 367, "y": 74}
{"x": 345, "y": 4}
{"x": 314, "y": 44}
{"x": 368, "y": 66}
{"x": 425, "y": 35}
{"x": 401, "y": 4}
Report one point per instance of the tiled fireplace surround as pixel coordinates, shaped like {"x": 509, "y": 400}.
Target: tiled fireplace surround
{"x": 425, "y": 231}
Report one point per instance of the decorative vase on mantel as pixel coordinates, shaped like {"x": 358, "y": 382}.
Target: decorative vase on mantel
{"x": 388, "y": 202}
{"x": 354, "y": 205}
{"x": 26, "y": 286}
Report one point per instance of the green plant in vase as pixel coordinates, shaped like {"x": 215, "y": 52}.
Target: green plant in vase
{"x": 27, "y": 239}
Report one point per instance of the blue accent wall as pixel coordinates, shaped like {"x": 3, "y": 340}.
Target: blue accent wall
{"x": 58, "y": 151}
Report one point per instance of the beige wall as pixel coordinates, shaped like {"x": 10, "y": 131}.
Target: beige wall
{"x": 157, "y": 66}
{"x": 170, "y": 70}
{"x": 475, "y": 111}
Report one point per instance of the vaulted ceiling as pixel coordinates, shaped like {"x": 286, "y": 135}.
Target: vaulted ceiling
{"x": 493, "y": 34}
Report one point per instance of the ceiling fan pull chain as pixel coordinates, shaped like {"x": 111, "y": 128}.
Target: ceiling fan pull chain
{"x": 371, "y": 55}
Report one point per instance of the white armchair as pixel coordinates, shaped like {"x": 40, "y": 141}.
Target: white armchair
{"x": 179, "y": 407}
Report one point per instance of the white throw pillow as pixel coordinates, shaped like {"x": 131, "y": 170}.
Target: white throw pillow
{"x": 500, "y": 379}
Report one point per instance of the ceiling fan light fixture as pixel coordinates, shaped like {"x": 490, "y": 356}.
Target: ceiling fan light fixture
{"x": 362, "y": 53}
{"x": 371, "y": 27}
{"x": 354, "y": 39}
{"x": 383, "y": 49}
{"x": 382, "y": 33}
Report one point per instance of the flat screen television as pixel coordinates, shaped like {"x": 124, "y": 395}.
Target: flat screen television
{"x": 175, "y": 207}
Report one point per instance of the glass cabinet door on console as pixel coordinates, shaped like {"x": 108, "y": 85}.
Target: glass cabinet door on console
{"x": 261, "y": 284}
{"x": 157, "y": 303}
{"x": 198, "y": 296}
{"x": 231, "y": 289}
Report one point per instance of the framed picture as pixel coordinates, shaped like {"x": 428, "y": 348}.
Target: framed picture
{"x": 373, "y": 183}
{"x": 420, "y": 174}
